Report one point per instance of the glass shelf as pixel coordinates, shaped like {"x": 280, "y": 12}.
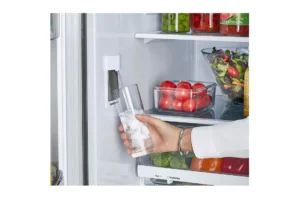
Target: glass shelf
{"x": 221, "y": 112}
{"x": 158, "y": 35}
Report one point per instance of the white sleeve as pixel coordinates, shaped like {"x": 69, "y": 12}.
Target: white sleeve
{"x": 222, "y": 140}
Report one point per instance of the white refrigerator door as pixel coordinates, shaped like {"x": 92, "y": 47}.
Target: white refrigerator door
{"x": 68, "y": 98}
{"x": 142, "y": 64}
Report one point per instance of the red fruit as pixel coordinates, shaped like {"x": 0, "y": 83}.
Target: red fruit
{"x": 203, "y": 26}
{"x": 198, "y": 86}
{"x": 206, "y": 18}
{"x": 200, "y": 103}
{"x": 196, "y": 24}
{"x": 183, "y": 91}
{"x": 216, "y": 18}
{"x": 183, "y": 82}
{"x": 203, "y": 102}
{"x": 207, "y": 100}
{"x": 233, "y": 72}
{"x": 165, "y": 102}
{"x": 189, "y": 105}
{"x": 168, "y": 85}
{"x": 226, "y": 58}
{"x": 177, "y": 105}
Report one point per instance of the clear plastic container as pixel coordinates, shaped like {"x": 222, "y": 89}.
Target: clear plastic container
{"x": 187, "y": 98}
{"x": 235, "y": 24}
{"x": 175, "y": 22}
{"x": 129, "y": 103}
{"x": 205, "y": 22}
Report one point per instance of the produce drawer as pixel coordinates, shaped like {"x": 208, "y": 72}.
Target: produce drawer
{"x": 193, "y": 170}
{"x": 188, "y": 176}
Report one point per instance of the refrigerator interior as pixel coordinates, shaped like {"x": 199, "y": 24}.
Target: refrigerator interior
{"x": 145, "y": 64}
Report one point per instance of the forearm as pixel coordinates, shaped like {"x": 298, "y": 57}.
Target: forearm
{"x": 222, "y": 140}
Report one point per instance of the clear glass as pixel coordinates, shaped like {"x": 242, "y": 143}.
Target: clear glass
{"x": 175, "y": 22}
{"x": 129, "y": 103}
{"x": 205, "y": 22}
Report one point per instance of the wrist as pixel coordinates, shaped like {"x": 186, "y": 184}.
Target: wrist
{"x": 186, "y": 142}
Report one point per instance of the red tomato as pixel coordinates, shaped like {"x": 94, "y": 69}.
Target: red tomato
{"x": 203, "y": 25}
{"x": 233, "y": 72}
{"x": 206, "y": 18}
{"x": 183, "y": 82}
{"x": 226, "y": 58}
{"x": 203, "y": 102}
{"x": 197, "y": 86}
{"x": 177, "y": 105}
{"x": 189, "y": 105}
{"x": 165, "y": 102}
{"x": 196, "y": 24}
{"x": 216, "y": 18}
{"x": 167, "y": 84}
{"x": 183, "y": 91}
{"x": 235, "y": 166}
{"x": 207, "y": 100}
{"x": 200, "y": 103}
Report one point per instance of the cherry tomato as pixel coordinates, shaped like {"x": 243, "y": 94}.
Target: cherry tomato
{"x": 226, "y": 58}
{"x": 198, "y": 86}
{"x": 183, "y": 82}
{"x": 189, "y": 105}
{"x": 233, "y": 72}
{"x": 183, "y": 91}
{"x": 167, "y": 84}
{"x": 200, "y": 103}
{"x": 177, "y": 105}
{"x": 203, "y": 102}
{"x": 165, "y": 102}
{"x": 206, "y": 18}
{"x": 207, "y": 100}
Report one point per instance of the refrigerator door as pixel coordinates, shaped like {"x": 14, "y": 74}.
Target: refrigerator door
{"x": 111, "y": 37}
{"x": 66, "y": 126}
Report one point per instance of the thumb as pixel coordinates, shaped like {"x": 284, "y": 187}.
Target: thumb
{"x": 147, "y": 119}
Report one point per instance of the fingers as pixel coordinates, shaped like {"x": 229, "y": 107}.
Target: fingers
{"x": 126, "y": 142}
{"x": 147, "y": 119}
{"x": 121, "y": 128}
{"x": 124, "y": 136}
{"x": 128, "y": 151}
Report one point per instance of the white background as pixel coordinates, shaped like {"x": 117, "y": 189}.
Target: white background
{"x": 25, "y": 99}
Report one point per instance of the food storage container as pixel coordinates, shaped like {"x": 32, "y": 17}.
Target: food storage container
{"x": 229, "y": 66}
{"x": 206, "y": 164}
{"x": 175, "y": 22}
{"x": 205, "y": 22}
{"x": 175, "y": 160}
{"x": 185, "y": 97}
{"x": 236, "y": 24}
{"x": 239, "y": 166}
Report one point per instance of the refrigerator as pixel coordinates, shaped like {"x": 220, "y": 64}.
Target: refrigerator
{"x": 86, "y": 51}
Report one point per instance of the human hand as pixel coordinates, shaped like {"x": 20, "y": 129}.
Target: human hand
{"x": 164, "y": 135}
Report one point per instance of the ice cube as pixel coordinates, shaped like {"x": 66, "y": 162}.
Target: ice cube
{"x": 145, "y": 132}
{"x": 133, "y": 124}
